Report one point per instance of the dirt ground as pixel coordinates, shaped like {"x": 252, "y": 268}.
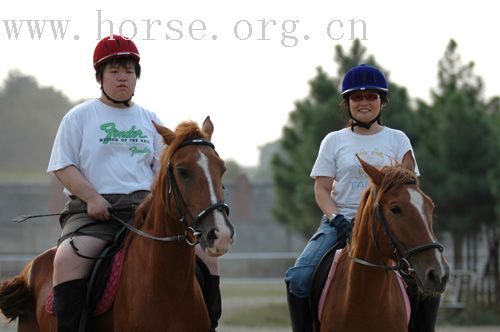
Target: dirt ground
{"x": 440, "y": 329}
{"x": 12, "y": 328}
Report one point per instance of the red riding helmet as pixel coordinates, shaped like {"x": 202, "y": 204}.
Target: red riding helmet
{"x": 114, "y": 46}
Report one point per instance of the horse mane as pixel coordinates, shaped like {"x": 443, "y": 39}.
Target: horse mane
{"x": 184, "y": 131}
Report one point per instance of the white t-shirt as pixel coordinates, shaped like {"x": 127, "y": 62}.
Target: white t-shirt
{"x": 337, "y": 159}
{"x": 116, "y": 150}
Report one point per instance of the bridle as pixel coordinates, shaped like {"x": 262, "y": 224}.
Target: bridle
{"x": 191, "y": 232}
{"x": 402, "y": 264}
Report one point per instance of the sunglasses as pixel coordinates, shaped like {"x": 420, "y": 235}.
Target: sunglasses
{"x": 368, "y": 96}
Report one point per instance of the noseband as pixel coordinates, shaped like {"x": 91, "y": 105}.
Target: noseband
{"x": 402, "y": 265}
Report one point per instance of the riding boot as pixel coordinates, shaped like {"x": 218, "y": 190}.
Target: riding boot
{"x": 209, "y": 285}
{"x": 300, "y": 313}
{"x": 69, "y": 302}
{"x": 426, "y": 315}
{"x": 213, "y": 301}
{"x": 424, "y": 310}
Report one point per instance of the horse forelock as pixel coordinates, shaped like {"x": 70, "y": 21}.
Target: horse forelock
{"x": 184, "y": 131}
{"x": 395, "y": 176}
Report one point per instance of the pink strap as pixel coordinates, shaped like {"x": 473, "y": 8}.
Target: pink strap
{"x": 403, "y": 286}
{"x": 328, "y": 282}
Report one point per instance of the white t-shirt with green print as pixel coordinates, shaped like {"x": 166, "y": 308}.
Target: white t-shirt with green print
{"x": 337, "y": 159}
{"x": 116, "y": 150}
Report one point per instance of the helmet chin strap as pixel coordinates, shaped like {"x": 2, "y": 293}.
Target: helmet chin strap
{"x": 125, "y": 102}
{"x": 361, "y": 124}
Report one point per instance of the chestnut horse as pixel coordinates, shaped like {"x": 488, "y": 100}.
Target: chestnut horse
{"x": 158, "y": 290}
{"x": 392, "y": 232}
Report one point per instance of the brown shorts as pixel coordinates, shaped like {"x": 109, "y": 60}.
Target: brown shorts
{"x": 105, "y": 230}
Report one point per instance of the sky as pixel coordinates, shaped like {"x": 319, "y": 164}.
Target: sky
{"x": 243, "y": 63}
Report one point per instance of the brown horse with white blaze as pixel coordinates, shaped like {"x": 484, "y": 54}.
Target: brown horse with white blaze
{"x": 158, "y": 290}
{"x": 392, "y": 233}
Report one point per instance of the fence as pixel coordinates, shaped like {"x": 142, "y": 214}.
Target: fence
{"x": 464, "y": 287}
{"x": 469, "y": 288}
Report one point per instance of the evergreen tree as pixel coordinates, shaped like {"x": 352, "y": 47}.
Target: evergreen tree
{"x": 30, "y": 117}
{"x": 456, "y": 136}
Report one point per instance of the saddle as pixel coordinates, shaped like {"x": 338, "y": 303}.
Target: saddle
{"x": 103, "y": 280}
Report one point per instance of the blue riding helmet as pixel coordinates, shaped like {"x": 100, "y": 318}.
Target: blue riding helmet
{"x": 363, "y": 77}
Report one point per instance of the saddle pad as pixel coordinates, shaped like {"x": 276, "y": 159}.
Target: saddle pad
{"x": 331, "y": 274}
{"x": 328, "y": 282}
{"x": 110, "y": 290}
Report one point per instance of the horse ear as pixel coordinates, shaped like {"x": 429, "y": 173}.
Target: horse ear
{"x": 167, "y": 134}
{"x": 373, "y": 172}
{"x": 408, "y": 161}
{"x": 208, "y": 128}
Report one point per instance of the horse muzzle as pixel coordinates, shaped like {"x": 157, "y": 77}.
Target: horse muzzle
{"x": 432, "y": 281}
{"x": 217, "y": 240}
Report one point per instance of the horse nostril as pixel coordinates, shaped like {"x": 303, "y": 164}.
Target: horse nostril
{"x": 431, "y": 275}
{"x": 212, "y": 235}
{"x": 434, "y": 278}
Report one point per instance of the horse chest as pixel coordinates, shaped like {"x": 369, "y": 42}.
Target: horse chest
{"x": 365, "y": 305}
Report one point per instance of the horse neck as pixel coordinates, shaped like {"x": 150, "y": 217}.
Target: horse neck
{"x": 364, "y": 247}
{"x": 164, "y": 259}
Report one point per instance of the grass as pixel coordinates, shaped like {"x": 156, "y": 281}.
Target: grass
{"x": 249, "y": 288}
{"x": 269, "y": 315}
{"x": 254, "y": 303}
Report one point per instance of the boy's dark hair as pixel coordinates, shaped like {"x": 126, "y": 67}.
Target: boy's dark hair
{"x": 123, "y": 61}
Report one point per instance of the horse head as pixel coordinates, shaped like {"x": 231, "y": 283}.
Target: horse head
{"x": 402, "y": 225}
{"x": 191, "y": 181}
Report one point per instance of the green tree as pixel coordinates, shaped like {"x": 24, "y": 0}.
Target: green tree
{"x": 30, "y": 117}
{"x": 456, "y": 136}
{"x": 310, "y": 121}
{"x": 493, "y": 178}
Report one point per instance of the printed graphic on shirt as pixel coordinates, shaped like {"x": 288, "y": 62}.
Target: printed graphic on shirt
{"x": 134, "y": 137}
{"x": 374, "y": 157}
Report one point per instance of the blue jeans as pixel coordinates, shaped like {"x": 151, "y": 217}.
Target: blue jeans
{"x": 298, "y": 277}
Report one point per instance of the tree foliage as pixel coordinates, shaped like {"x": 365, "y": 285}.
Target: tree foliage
{"x": 457, "y": 151}
{"x": 30, "y": 117}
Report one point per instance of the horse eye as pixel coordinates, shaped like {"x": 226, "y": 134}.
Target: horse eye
{"x": 396, "y": 210}
{"x": 183, "y": 172}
